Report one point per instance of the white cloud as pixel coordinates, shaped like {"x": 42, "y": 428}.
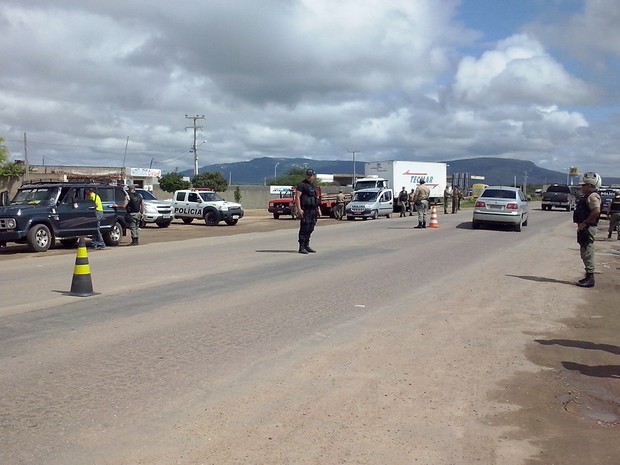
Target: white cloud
{"x": 517, "y": 71}
{"x": 293, "y": 78}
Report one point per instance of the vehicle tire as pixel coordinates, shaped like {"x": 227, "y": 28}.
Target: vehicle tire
{"x": 69, "y": 242}
{"x": 113, "y": 236}
{"x": 518, "y": 226}
{"x": 231, "y": 222}
{"x": 188, "y": 220}
{"x": 525, "y": 222}
{"x": 163, "y": 224}
{"x": 211, "y": 218}
{"x": 39, "y": 238}
{"x": 388, "y": 216}
{"x": 374, "y": 215}
{"x": 475, "y": 225}
{"x": 276, "y": 216}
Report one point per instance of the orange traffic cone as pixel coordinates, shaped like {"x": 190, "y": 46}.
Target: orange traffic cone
{"x": 434, "y": 223}
{"x": 82, "y": 284}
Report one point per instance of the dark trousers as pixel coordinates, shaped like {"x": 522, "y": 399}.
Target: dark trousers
{"x": 306, "y": 225}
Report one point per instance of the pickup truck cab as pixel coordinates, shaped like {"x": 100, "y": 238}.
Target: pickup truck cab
{"x": 191, "y": 204}
{"x": 370, "y": 203}
{"x": 560, "y": 196}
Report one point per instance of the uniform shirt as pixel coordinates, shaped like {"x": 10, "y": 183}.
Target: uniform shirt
{"x": 134, "y": 203}
{"x": 422, "y": 192}
{"x": 95, "y": 198}
{"x": 308, "y": 197}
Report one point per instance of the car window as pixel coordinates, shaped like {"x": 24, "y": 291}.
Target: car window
{"x": 499, "y": 194}
{"x": 193, "y": 197}
{"x": 180, "y": 196}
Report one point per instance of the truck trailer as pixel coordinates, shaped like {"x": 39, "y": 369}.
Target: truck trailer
{"x": 407, "y": 174}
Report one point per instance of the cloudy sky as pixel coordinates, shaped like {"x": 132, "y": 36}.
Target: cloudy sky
{"x": 108, "y": 83}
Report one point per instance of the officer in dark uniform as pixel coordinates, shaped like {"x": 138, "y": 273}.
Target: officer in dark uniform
{"x": 308, "y": 209}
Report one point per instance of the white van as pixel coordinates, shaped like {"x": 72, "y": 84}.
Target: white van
{"x": 370, "y": 203}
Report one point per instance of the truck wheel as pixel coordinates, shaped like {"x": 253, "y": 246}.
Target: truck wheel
{"x": 276, "y": 216}
{"x": 211, "y": 218}
{"x": 114, "y": 235}
{"x": 231, "y": 222}
{"x": 39, "y": 238}
{"x": 374, "y": 215}
{"x": 188, "y": 220}
{"x": 69, "y": 242}
{"x": 163, "y": 224}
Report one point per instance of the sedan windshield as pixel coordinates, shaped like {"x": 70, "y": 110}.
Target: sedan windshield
{"x": 35, "y": 196}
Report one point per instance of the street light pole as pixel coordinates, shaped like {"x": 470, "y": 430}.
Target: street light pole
{"x": 354, "y": 173}
{"x": 275, "y": 170}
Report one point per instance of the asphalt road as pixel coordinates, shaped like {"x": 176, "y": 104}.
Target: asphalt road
{"x": 387, "y": 346}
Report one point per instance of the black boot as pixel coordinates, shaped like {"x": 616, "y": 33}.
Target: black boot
{"x": 308, "y": 248}
{"x": 424, "y": 225}
{"x": 302, "y": 249}
{"x": 134, "y": 241}
{"x": 419, "y": 226}
{"x": 609, "y": 235}
{"x": 588, "y": 281}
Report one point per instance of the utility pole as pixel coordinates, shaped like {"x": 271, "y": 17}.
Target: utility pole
{"x": 354, "y": 173}
{"x": 27, "y": 175}
{"x": 194, "y": 148}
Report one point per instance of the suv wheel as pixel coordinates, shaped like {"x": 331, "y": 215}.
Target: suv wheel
{"x": 114, "y": 235}
{"x": 39, "y": 238}
{"x": 231, "y": 222}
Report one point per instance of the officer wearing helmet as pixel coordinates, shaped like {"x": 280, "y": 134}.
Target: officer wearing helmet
{"x": 586, "y": 215}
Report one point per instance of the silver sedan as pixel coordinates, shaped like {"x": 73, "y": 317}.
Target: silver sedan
{"x": 502, "y": 206}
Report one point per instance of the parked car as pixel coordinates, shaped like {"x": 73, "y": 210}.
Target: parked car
{"x": 501, "y": 205}
{"x": 370, "y": 203}
{"x": 607, "y": 195}
{"x": 155, "y": 210}
{"x": 41, "y": 213}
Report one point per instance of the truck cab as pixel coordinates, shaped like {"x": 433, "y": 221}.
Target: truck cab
{"x": 190, "y": 204}
{"x": 371, "y": 182}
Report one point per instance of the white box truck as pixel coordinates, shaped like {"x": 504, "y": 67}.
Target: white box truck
{"x": 407, "y": 174}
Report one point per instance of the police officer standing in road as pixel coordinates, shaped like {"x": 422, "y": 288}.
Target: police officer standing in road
{"x": 135, "y": 210}
{"x": 586, "y": 215}
{"x": 420, "y": 198}
{"x": 308, "y": 209}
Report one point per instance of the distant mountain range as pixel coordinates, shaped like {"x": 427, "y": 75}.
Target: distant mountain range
{"x": 495, "y": 170}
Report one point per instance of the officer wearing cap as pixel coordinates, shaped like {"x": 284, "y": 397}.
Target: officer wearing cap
{"x": 308, "y": 209}
{"x": 135, "y": 210}
{"x": 586, "y": 215}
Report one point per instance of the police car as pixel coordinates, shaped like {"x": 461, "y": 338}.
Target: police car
{"x": 203, "y": 204}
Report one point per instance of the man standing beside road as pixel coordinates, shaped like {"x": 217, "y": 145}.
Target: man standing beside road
{"x": 97, "y": 239}
{"x": 135, "y": 210}
{"x": 456, "y": 199}
{"x": 308, "y": 209}
{"x": 447, "y": 196}
{"x": 420, "y": 199}
{"x": 340, "y": 205}
{"x": 586, "y": 215}
{"x": 402, "y": 202}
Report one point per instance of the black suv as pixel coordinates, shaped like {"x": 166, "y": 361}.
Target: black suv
{"x": 40, "y": 213}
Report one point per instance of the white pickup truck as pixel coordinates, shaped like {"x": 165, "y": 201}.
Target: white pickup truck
{"x": 207, "y": 205}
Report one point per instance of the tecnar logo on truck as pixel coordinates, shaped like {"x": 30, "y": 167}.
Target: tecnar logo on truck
{"x": 415, "y": 178}
{"x": 188, "y": 211}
